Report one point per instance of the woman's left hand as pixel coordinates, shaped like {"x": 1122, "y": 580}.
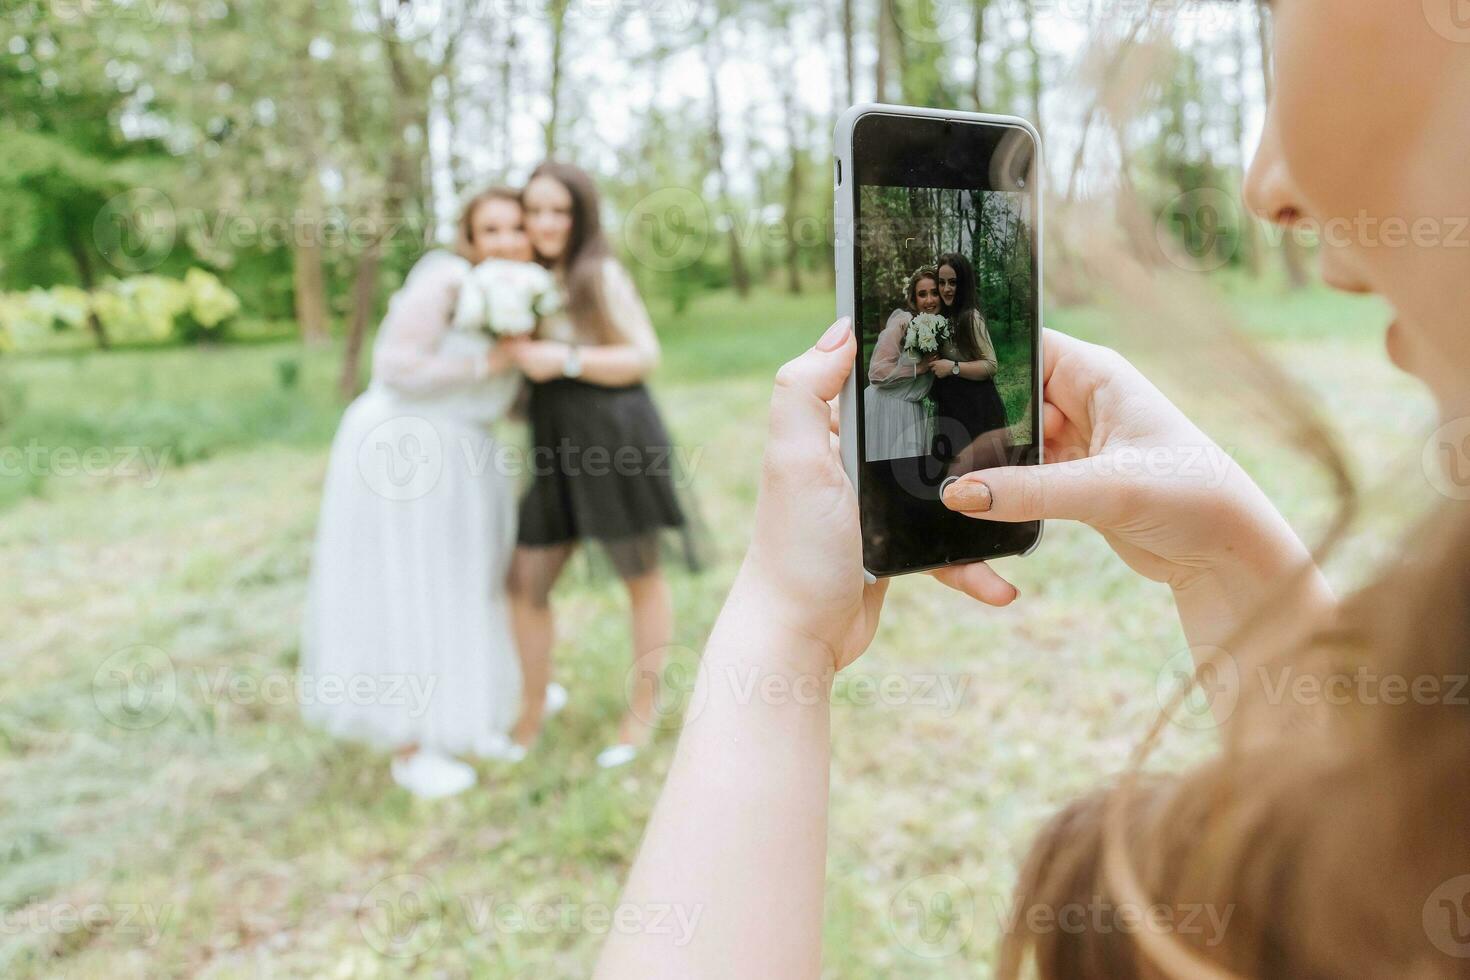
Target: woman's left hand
{"x": 804, "y": 571}
{"x": 943, "y": 367}
{"x": 540, "y": 360}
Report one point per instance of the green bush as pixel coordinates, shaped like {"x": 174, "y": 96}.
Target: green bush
{"x": 30, "y": 320}
{"x": 144, "y": 309}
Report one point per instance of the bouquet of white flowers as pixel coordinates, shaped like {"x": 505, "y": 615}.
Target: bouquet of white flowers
{"x": 926, "y": 332}
{"x": 506, "y": 299}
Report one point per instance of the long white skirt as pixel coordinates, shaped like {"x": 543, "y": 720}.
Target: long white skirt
{"x": 406, "y": 638}
{"x": 896, "y": 428}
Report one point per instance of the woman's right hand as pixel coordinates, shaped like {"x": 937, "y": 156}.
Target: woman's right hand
{"x": 501, "y": 356}
{"x": 1123, "y": 459}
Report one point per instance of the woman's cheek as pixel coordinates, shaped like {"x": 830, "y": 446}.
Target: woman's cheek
{"x": 1333, "y": 62}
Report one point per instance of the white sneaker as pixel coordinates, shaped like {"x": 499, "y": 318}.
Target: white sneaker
{"x": 500, "y": 748}
{"x": 556, "y": 699}
{"x": 431, "y": 776}
{"x": 617, "y": 755}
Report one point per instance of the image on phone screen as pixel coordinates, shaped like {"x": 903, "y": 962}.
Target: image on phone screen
{"x": 947, "y": 316}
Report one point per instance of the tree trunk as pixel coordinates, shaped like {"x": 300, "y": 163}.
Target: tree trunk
{"x": 739, "y": 275}
{"x": 793, "y": 191}
{"x": 557, "y": 13}
{"x": 88, "y": 279}
{"x": 847, "y": 51}
{"x": 977, "y": 84}
{"x": 460, "y": 172}
{"x": 364, "y": 293}
{"x": 389, "y": 210}
{"x": 309, "y": 286}
{"x": 885, "y": 50}
{"x": 1034, "y": 79}
{"x": 507, "y": 103}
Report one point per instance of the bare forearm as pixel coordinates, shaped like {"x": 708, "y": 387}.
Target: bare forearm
{"x": 737, "y": 843}
{"x": 978, "y": 370}
{"x": 616, "y": 365}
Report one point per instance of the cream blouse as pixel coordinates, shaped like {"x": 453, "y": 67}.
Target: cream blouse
{"x": 627, "y": 315}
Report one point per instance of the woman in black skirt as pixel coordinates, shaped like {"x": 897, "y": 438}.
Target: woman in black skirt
{"x": 601, "y": 458}
{"x": 971, "y": 430}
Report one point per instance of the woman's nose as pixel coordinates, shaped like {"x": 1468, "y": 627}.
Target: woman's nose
{"x": 1269, "y": 191}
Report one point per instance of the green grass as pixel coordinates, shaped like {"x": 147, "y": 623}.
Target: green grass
{"x": 227, "y": 840}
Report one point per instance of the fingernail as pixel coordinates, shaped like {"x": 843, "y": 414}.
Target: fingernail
{"x": 835, "y": 336}
{"x": 969, "y": 496}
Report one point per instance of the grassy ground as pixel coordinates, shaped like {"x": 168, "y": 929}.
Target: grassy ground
{"x": 206, "y": 832}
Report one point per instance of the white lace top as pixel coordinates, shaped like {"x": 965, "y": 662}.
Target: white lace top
{"x": 421, "y": 360}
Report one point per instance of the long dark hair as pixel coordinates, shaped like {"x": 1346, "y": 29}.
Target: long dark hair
{"x": 965, "y": 313}
{"x": 587, "y": 252}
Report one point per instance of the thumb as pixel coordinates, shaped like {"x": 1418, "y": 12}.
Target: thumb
{"x": 1070, "y": 491}
{"x": 800, "y": 415}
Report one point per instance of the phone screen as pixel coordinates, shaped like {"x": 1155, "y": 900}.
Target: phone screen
{"x": 948, "y": 320}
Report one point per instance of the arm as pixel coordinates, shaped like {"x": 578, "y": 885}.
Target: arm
{"x": 970, "y": 370}
{"x": 638, "y": 355}
{"x": 407, "y": 356}
{"x": 980, "y": 369}
{"x": 739, "y": 836}
{"x": 886, "y": 365}
{"x": 737, "y": 844}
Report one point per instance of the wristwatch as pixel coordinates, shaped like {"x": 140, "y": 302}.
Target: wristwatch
{"x": 954, "y": 370}
{"x": 572, "y": 366}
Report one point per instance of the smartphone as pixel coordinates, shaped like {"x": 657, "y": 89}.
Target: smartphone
{"x": 938, "y": 250}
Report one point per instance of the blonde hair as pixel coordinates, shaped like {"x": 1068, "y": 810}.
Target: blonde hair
{"x": 1329, "y": 846}
{"x": 911, "y": 290}
{"x": 1333, "y": 838}
{"x": 464, "y": 232}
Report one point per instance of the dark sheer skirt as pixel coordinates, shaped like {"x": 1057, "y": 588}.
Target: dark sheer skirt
{"x": 969, "y": 422}
{"x": 604, "y": 469}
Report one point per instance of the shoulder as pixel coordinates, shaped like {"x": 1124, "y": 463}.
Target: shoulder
{"x": 900, "y": 317}
{"x": 440, "y": 266}
{"x": 966, "y": 319}
{"x": 615, "y": 275}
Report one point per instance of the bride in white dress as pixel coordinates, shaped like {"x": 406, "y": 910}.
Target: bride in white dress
{"x": 895, "y": 417}
{"x": 406, "y": 639}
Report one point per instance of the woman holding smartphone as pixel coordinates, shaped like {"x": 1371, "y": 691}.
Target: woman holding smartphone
{"x": 1340, "y": 846}
{"x": 601, "y": 469}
